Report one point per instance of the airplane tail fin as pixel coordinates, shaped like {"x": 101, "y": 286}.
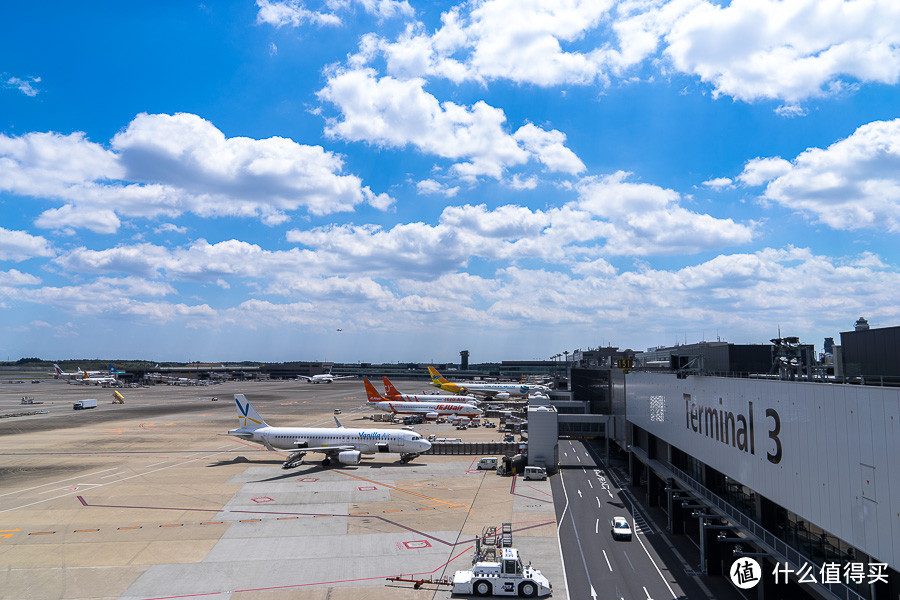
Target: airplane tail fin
{"x": 389, "y": 390}
{"x": 436, "y": 378}
{"x": 372, "y": 394}
{"x": 248, "y": 418}
{"x": 57, "y": 369}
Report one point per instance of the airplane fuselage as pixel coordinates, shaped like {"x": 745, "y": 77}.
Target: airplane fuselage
{"x": 433, "y": 398}
{"x": 491, "y": 389}
{"x": 440, "y": 408}
{"x": 366, "y": 441}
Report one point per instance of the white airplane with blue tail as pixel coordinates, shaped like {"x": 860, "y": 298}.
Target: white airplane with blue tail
{"x": 343, "y": 444}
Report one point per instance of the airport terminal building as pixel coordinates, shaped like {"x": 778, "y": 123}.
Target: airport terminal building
{"x": 792, "y": 473}
{"x": 795, "y": 470}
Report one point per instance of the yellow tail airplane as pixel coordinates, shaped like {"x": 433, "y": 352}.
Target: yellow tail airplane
{"x": 491, "y": 390}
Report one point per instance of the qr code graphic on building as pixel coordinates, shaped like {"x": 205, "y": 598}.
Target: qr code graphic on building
{"x": 658, "y": 408}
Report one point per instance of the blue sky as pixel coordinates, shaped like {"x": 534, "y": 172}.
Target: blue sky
{"x": 242, "y": 180}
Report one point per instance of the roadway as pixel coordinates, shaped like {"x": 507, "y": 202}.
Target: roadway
{"x": 587, "y": 495}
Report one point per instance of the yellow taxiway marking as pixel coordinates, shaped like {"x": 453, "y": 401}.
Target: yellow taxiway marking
{"x": 8, "y": 533}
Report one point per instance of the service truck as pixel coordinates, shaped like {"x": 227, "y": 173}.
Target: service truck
{"x": 82, "y": 404}
{"x": 505, "y": 578}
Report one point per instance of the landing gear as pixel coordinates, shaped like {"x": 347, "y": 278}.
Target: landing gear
{"x": 405, "y": 457}
{"x": 295, "y": 460}
{"x": 326, "y": 462}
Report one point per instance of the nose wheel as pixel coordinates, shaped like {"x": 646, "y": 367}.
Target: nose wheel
{"x": 407, "y": 456}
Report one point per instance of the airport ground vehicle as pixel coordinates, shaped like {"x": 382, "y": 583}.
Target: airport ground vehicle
{"x": 488, "y": 462}
{"x": 83, "y": 404}
{"x": 508, "y": 577}
{"x": 620, "y": 528}
{"x": 535, "y": 473}
{"x": 434, "y": 438}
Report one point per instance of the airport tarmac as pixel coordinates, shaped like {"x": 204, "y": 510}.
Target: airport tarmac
{"x": 151, "y": 499}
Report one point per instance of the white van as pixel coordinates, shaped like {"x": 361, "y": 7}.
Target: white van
{"x": 488, "y": 463}
{"x": 535, "y": 473}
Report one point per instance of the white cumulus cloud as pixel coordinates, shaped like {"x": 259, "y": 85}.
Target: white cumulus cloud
{"x": 21, "y": 245}
{"x": 390, "y": 112}
{"x": 746, "y": 49}
{"x": 295, "y": 13}
{"x": 852, "y": 184}
{"x": 166, "y": 165}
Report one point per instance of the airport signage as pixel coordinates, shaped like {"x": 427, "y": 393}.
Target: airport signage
{"x": 826, "y": 452}
{"x": 733, "y": 428}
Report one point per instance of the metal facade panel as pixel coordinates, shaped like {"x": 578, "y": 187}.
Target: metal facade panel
{"x": 879, "y": 471}
{"x": 820, "y": 458}
{"x": 837, "y": 414}
{"x": 891, "y": 477}
{"x": 823, "y": 433}
{"x": 854, "y": 489}
{"x": 864, "y": 434}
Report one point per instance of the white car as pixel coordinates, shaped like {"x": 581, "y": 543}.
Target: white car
{"x": 620, "y": 528}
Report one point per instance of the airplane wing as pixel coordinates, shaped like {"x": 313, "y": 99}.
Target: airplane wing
{"x": 329, "y": 450}
{"x": 485, "y": 393}
{"x": 304, "y": 377}
{"x": 323, "y": 449}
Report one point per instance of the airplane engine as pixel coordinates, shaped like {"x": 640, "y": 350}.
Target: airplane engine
{"x": 431, "y": 416}
{"x": 349, "y": 457}
{"x": 502, "y": 396}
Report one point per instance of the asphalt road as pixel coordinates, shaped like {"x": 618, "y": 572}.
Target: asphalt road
{"x": 587, "y": 497}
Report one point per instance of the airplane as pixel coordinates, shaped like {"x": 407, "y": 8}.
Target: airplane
{"x": 323, "y": 378}
{"x": 492, "y": 390}
{"x": 60, "y": 373}
{"x": 345, "y": 445}
{"x": 431, "y": 410}
{"x": 88, "y": 378}
{"x": 391, "y": 393}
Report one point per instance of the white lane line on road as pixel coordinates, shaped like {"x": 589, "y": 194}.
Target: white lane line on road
{"x": 598, "y": 502}
{"x": 608, "y": 564}
{"x": 559, "y": 541}
{"x": 648, "y": 593}
{"x": 597, "y": 526}
{"x": 590, "y": 484}
{"x": 610, "y": 493}
{"x": 587, "y": 572}
{"x": 647, "y": 552}
{"x": 671, "y": 591}
{"x": 686, "y": 567}
{"x": 578, "y": 457}
{"x": 629, "y": 561}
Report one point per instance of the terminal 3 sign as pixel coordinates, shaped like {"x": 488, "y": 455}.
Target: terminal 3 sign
{"x": 736, "y": 429}
{"x": 826, "y": 452}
